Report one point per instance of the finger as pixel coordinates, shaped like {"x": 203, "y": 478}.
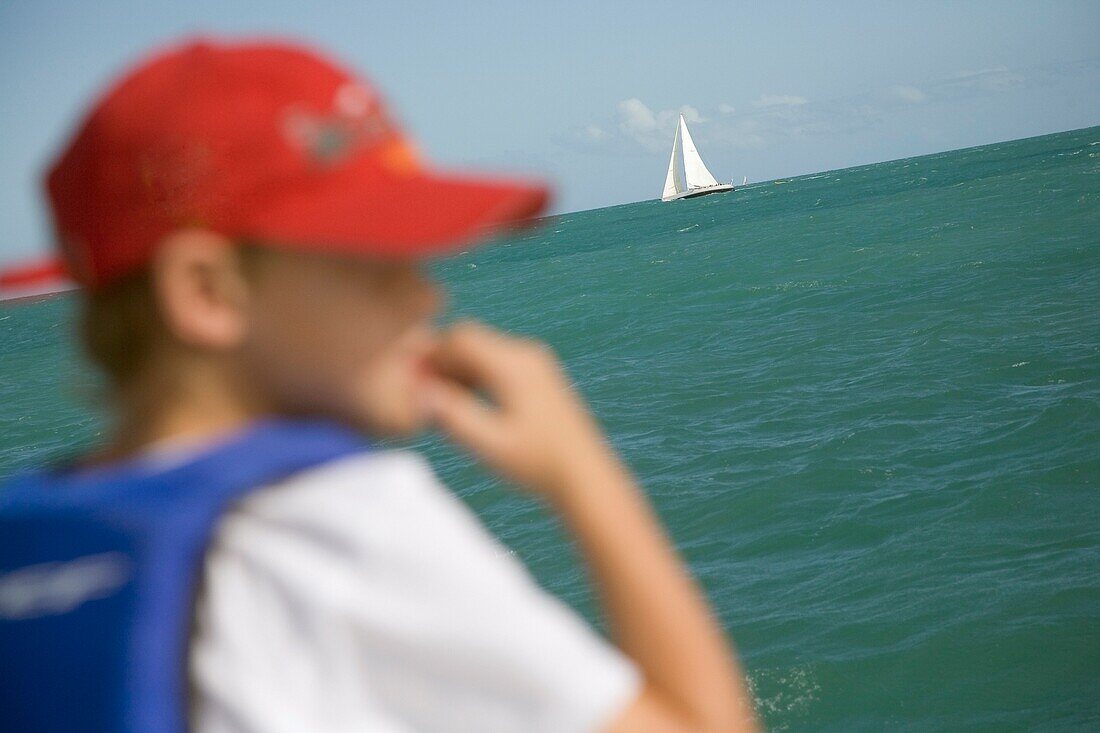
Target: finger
{"x": 464, "y": 418}
{"x": 470, "y": 353}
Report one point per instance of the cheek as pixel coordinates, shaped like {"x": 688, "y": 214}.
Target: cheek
{"x": 356, "y": 373}
{"x": 384, "y": 390}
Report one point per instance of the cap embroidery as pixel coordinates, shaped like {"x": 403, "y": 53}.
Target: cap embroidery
{"x": 356, "y": 120}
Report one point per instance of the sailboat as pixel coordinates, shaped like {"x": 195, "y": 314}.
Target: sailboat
{"x": 698, "y": 179}
{"x": 33, "y": 280}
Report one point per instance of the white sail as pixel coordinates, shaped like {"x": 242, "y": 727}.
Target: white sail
{"x": 694, "y": 168}
{"x": 674, "y": 182}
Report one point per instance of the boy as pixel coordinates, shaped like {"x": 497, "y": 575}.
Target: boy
{"x": 247, "y": 224}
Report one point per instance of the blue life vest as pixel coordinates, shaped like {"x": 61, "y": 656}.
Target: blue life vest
{"x": 99, "y": 570}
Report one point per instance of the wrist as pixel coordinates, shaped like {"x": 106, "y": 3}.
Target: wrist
{"x": 589, "y": 474}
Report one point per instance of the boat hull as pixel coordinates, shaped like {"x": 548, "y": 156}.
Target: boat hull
{"x": 16, "y": 295}
{"x": 701, "y": 191}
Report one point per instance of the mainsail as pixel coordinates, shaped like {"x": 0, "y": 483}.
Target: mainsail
{"x": 674, "y": 182}
{"x": 696, "y": 170}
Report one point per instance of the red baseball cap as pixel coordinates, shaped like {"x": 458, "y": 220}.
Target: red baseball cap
{"x": 265, "y": 141}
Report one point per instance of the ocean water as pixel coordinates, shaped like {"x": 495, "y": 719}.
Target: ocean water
{"x": 865, "y": 402}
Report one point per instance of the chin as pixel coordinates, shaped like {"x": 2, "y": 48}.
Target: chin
{"x": 382, "y": 401}
{"x": 403, "y": 426}
{"x": 397, "y": 417}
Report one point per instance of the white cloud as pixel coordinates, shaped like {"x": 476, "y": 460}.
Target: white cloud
{"x": 995, "y": 79}
{"x": 691, "y": 114}
{"x": 741, "y": 133}
{"x": 636, "y": 117}
{"x": 653, "y": 130}
{"x": 773, "y": 119}
{"x": 907, "y": 94}
{"x": 667, "y": 119}
{"x": 779, "y": 100}
{"x": 595, "y": 133}
{"x": 978, "y": 72}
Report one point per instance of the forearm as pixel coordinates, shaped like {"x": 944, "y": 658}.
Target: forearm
{"x": 657, "y": 614}
{"x": 534, "y": 430}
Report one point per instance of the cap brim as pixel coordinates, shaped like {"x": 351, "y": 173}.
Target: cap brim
{"x": 422, "y": 214}
{"x": 32, "y": 279}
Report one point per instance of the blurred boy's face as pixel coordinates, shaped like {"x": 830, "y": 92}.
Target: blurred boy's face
{"x": 341, "y": 337}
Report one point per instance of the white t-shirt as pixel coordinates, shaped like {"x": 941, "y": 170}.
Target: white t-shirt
{"x": 361, "y": 595}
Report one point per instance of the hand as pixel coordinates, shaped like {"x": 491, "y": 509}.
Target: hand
{"x": 532, "y": 427}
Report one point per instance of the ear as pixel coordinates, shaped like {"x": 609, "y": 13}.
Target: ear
{"x": 201, "y": 290}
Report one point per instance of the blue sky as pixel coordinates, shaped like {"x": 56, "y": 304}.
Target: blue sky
{"x": 586, "y": 93}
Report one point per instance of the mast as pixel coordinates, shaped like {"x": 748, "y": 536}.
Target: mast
{"x": 674, "y": 182}
{"x": 696, "y": 171}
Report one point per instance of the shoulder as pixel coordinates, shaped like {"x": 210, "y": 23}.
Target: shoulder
{"x": 372, "y": 577}
{"x": 394, "y": 479}
{"x": 379, "y": 498}
{"x": 362, "y": 516}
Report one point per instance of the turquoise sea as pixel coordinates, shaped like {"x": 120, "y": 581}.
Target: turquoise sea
{"x": 866, "y": 402}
